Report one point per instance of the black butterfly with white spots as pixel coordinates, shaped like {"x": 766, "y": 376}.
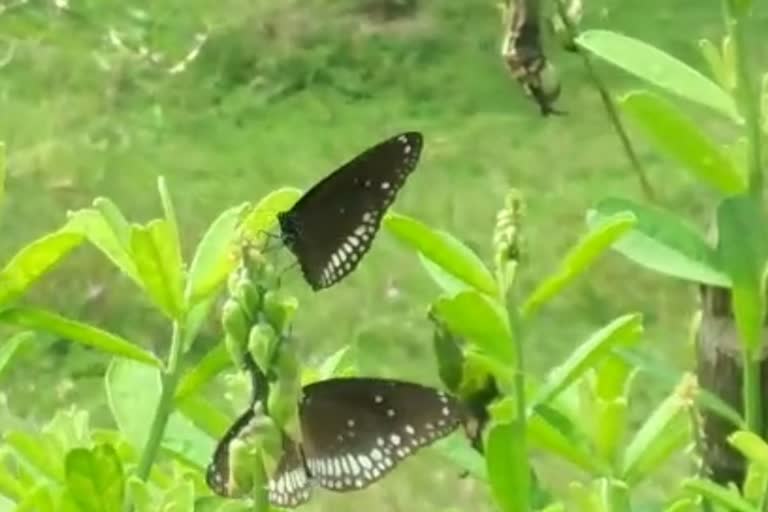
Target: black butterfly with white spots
{"x": 353, "y": 432}
{"x": 332, "y": 226}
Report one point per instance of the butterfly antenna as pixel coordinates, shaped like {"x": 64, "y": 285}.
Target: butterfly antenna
{"x": 270, "y": 237}
{"x": 282, "y": 272}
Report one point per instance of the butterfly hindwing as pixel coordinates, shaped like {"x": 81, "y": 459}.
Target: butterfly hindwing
{"x": 332, "y": 226}
{"x": 290, "y": 485}
{"x": 356, "y": 430}
{"x": 218, "y": 473}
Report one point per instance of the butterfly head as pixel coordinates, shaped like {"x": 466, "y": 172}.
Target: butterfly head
{"x": 289, "y": 228}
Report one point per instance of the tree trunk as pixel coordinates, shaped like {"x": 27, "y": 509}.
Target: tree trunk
{"x": 718, "y": 359}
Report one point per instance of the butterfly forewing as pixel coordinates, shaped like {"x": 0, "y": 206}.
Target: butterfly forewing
{"x": 357, "y": 430}
{"x": 290, "y": 485}
{"x": 333, "y": 225}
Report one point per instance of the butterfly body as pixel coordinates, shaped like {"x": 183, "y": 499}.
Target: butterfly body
{"x": 332, "y": 226}
{"x": 353, "y": 432}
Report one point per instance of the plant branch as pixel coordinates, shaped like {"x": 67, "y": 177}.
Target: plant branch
{"x": 609, "y": 105}
{"x": 170, "y": 379}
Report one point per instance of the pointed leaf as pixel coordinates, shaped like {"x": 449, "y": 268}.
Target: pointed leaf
{"x": 743, "y": 251}
{"x": 663, "y": 242}
{"x": 752, "y": 446}
{"x": 602, "y": 235}
{"x": 175, "y": 258}
{"x": 683, "y": 140}
{"x": 625, "y": 330}
{"x": 156, "y": 261}
{"x": 658, "y": 68}
{"x": 213, "y": 363}
{"x": 507, "y": 465}
{"x": 263, "y": 216}
{"x": 116, "y": 221}
{"x": 549, "y": 437}
{"x": 442, "y": 249}
{"x": 717, "y": 494}
{"x": 660, "y": 436}
{"x": 480, "y": 320}
{"x": 213, "y": 260}
{"x": 204, "y": 415}
{"x": 33, "y": 261}
{"x": 78, "y": 332}
{"x": 93, "y": 225}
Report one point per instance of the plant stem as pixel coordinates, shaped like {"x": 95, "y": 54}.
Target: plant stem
{"x": 610, "y": 107}
{"x": 170, "y": 379}
{"x": 751, "y": 393}
{"x": 748, "y": 98}
{"x": 516, "y": 328}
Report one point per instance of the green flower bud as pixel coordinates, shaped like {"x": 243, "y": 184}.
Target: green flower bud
{"x": 236, "y": 350}
{"x": 234, "y": 321}
{"x": 283, "y": 396}
{"x": 279, "y": 309}
{"x": 262, "y": 342}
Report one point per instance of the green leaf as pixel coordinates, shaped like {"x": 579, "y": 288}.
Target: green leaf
{"x": 661, "y": 435}
{"x": 624, "y": 330}
{"x": 263, "y": 216}
{"x": 39, "y": 451}
{"x": 480, "y": 320}
{"x": 116, "y": 221}
{"x": 9, "y": 348}
{"x": 98, "y": 229}
{"x": 78, "y": 332}
{"x": 133, "y": 392}
{"x": 169, "y": 213}
{"x": 751, "y": 446}
{"x": 204, "y": 415}
{"x": 579, "y": 258}
{"x": 553, "y": 439}
{"x": 213, "y": 260}
{"x": 743, "y": 250}
{"x": 718, "y": 494}
{"x": 663, "y": 242}
{"x": 444, "y": 250}
{"x": 34, "y": 260}
{"x": 446, "y": 281}
{"x": 456, "y": 449}
{"x": 683, "y": 140}
{"x": 658, "y": 68}
{"x": 161, "y": 273}
{"x": 507, "y": 464}
{"x": 214, "y": 362}
{"x": 95, "y": 479}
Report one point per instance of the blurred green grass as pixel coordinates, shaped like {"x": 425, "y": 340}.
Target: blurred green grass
{"x": 281, "y": 93}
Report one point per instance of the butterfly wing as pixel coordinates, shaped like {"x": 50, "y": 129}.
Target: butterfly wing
{"x": 333, "y": 225}
{"x": 356, "y": 430}
{"x": 290, "y": 486}
{"x": 217, "y": 475}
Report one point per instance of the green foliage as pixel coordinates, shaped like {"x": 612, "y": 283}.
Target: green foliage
{"x": 663, "y": 242}
{"x": 658, "y": 68}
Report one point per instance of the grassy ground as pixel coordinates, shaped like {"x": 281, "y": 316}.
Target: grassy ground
{"x": 280, "y": 94}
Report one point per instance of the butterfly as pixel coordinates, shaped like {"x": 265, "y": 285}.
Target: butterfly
{"x": 331, "y": 227}
{"x": 353, "y": 432}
